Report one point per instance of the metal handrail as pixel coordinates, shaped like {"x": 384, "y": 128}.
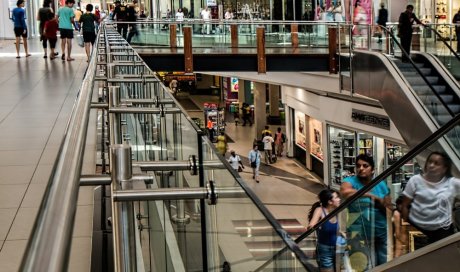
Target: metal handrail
{"x": 48, "y": 248}
{"x": 445, "y": 43}
{"x": 382, "y": 176}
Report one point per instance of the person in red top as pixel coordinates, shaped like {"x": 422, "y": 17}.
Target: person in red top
{"x": 50, "y": 30}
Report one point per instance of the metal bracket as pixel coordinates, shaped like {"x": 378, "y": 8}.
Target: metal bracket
{"x": 212, "y": 195}
{"x": 193, "y": 165}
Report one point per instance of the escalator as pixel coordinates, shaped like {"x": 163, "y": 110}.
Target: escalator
{"x": 419, "y": 96}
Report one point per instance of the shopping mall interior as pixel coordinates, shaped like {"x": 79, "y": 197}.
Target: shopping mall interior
{"x": 154, "y": 154}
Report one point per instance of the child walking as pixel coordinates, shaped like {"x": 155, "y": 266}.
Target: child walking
{"x": 50, "y": 31}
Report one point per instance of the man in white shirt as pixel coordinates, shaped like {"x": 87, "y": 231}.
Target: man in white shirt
{"x": 206, "y": 16}
{"x": 268, "y": 142}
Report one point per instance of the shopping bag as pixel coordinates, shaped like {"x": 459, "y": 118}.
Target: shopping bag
{"x": 80, "y": 40}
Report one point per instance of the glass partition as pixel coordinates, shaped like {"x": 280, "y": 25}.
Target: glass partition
{"x": 380, "y": 227}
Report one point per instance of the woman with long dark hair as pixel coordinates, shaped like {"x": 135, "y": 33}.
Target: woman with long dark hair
{"x": 327, "y": 234}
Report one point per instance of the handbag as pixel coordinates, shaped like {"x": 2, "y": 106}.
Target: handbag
{"x": 253, "y": 164}
{"x": 80, "y": 40}
{"x": 240, "y": 169}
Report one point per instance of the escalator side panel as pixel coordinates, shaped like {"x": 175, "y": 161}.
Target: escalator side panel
{"x": 374, "y": 76}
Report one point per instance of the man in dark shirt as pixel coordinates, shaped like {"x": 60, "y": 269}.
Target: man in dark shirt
{"x": 132, "y": 17}
{"x": 382, "y": 19}
{"x": 456, "y": 21}
{"x": 406, "y": 20}
{"x": 120, "y": 14}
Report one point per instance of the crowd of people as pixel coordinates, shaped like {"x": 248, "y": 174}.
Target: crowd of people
{"x": 426, "y": 203}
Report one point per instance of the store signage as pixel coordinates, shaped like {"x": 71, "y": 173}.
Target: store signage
{"x": 371, "y": 119}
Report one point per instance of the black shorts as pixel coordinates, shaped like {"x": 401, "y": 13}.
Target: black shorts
{"x": 89, "y": 37}
{"x": 19, "y": 31}
{"x": 52, "y": 42}
{"x": 66, "y": 33}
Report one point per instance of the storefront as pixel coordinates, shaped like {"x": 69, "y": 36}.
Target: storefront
{"x": 308, "y": 142}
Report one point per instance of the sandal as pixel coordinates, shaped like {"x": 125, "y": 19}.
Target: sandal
{"x": 63, "y": 57}
{"x": 18, "y": 57}
{"x": 52, "y": 57}
{"x": 45, "y": 56}
{"x": 70, "y": 59}
{"x": 28, "y": 55}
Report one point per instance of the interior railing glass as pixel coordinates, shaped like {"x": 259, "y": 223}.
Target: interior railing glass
{"x": 196, "y": 214}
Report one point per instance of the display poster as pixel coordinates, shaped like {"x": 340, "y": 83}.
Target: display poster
{"x": 362, "y": 12}
{"x": 329, "y": 11}
{"x": 234, "y": 84}
{"x": 300, "y": 130}
{"x": 316, "y": 128}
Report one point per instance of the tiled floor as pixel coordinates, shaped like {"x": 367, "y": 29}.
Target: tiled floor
{"x": 36, "y": 98}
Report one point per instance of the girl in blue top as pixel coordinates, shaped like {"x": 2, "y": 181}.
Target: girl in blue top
{"x": 20, "y": 27}
{"x": 327, "y": 234}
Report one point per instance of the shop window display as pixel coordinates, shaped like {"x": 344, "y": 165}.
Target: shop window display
{"x": 342, "y": 154}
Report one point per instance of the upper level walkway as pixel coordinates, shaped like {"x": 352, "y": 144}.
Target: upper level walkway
{"x": 37, "y": 96}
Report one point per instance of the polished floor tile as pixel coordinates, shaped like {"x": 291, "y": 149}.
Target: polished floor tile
{"x": 11, "y": 255}
{"x": 7, "y": 216}
{"x": 23, "y": 224}
{"x": 11, "y": 195}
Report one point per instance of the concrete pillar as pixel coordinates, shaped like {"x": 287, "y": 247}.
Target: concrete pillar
{"x": 274, "y": 91}
{"x": 260, "y": 117}
{"x": 241, "y": 93}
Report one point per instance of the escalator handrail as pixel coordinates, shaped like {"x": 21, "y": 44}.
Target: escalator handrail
{"x": 395, "y": 40}
{"x": 442, "y": 40}
{"x": 382, "y": 176}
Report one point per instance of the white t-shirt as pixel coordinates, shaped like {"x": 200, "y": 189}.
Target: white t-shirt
{"x": 179, "y": 16}
{"x": 268, "y": 140}
{"x": 432, "y": 203}
{"x": 228, "y": 15}
{"x": 234, "y": 161}
{"x": 206, "y": 14}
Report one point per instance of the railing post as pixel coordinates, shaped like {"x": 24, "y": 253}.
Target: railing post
{"x": 261, "y": 58}
{"x": 123, "y": 213}
{"x": 173, "y": 35}
{"x": 188, "y": 54}
{"x": 295, "y": 35}
{"x": 234, "y": 35}
{"x": 332, "y": 31}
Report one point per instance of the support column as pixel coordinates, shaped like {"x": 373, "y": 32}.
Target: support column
{"x": 274, "y": 91}
{"x": 241, "y": 92}
{"x": 260, "y": 116}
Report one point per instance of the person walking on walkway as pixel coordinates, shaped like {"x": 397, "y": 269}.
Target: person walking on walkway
{"x": 327, "y": 234}
{"x": 66, "y": 21}
{"x": 406, "y": 20}
{"x": 50, "y": 33}
{"x": 235, "y": 161}
{"x": 120, "y": 13}
{"x": 246, "y": 110}
{"x": 254, "y": 160}
{"x": 280, "y": 139}
{"x": 369, "y": 223}
{"x": 222, "y": 143}
{"x": 43, "y": 17}
{"x": 456, "y": 21}
{"x": 88, "y": 25}
{"x": 382, "y": 20}
{"x": 20, "y": 27}
{"x": 132, "y": 17}
{"x": 268, "y": 143}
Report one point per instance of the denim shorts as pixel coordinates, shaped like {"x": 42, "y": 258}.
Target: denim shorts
{"x": 326, "y": 256}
